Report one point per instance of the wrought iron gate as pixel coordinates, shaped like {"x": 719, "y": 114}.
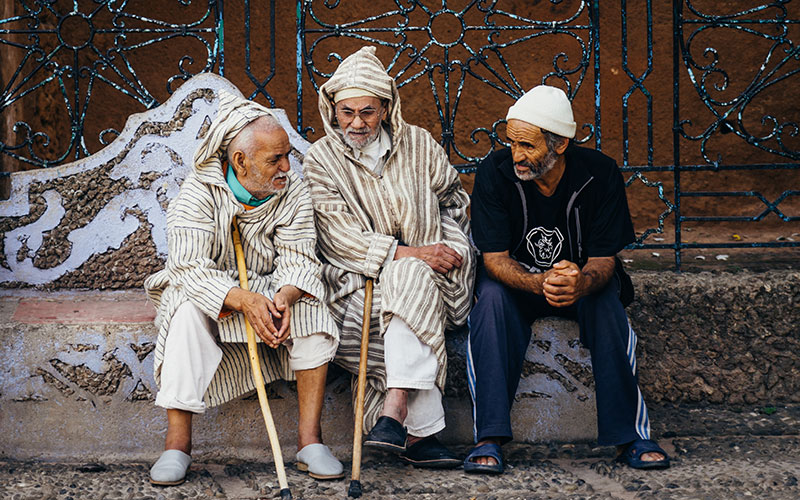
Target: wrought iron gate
{"x": 458, "y": 52}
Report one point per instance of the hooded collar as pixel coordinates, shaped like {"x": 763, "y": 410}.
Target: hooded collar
{"x": 233, "y": 114}
{"x": 364, "y": 70}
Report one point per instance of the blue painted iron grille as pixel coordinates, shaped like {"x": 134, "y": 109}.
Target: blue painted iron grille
{"x": 456, "y": 54}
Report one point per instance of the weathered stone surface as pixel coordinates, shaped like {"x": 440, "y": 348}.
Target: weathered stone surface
{"x": 716, "y": 467}
{"x": 554, "y": 400}
{"x": 718, "y": 338}
{"x": 74, "y": 388}
{"x": 92, "y": 386}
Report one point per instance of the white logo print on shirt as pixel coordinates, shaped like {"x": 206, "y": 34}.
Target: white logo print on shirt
{"x": 544, "y": 245}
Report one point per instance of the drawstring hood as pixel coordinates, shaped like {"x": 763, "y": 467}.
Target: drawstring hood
{"x": 360, "y": 70}
{"x": 234, "y": 114}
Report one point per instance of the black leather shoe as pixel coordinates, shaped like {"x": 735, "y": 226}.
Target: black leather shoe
{"x": 388, "y": 435}
{"x": 430, "y": 453}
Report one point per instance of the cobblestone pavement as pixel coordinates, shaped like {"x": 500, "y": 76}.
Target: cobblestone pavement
{"x": 717, "y": 454}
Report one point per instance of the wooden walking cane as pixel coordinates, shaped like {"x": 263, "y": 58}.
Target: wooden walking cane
{"x": 355, "y": 483}
{"x": 255, "y": 364}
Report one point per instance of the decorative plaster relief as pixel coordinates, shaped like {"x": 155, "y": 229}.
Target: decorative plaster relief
{"x": 556, "y": 365}
{"x": 100, "y": 222}
{"x": 102, "y": 368}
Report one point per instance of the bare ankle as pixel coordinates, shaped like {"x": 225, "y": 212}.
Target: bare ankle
{"x": 179, "y": 431}
{"x": 396, "y": 404}
{"x": 180, "y": 445}
{"x": 304, "y": 440}
{"x": 398, "y": 415}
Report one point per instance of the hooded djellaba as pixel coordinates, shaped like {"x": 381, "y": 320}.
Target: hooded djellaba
{"x": 414, "y": 198}
{"x": 279, "y": 249}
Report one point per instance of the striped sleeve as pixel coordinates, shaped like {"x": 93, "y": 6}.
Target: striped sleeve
{"x": 344, "y": 241}
{"x": 191, "y": 235}
{"x": 296, "y": 262}
{"x": 453, "y": 199}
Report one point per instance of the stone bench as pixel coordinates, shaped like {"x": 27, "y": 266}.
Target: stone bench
{"x": 76, "y": 365}
{"x": 77, "y": 370}
{"x": 100, "y": 222}
{"x": 77, "y": 382}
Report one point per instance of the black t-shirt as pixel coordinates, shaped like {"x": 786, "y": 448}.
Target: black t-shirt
{"x": 545, "y": 230}
{"x": 588, "y": 210}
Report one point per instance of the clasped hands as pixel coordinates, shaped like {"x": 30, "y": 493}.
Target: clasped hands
{"x": 269, "y": 318}
{"x": 564, "y": 284}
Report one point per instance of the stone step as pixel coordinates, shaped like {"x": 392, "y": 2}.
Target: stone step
{"x": 76, "y": 371}
{"x": 77, "y": 382}
{"x": 703, "y": 467}
{"x": 81, "y": 312}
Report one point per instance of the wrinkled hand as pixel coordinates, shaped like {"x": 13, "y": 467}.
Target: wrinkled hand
{"x": 260, "y": 312}
{"x": 440, "y": 257}
{"x": 563, "y": 284}
{"x": 283, "y": 303}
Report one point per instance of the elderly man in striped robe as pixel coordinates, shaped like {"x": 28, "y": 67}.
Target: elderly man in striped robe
{"x": 389, "y": 206}
{"x": 241, "y": 170}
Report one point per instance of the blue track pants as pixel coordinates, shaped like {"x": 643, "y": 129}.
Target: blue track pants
{"x": 500, "y": 329}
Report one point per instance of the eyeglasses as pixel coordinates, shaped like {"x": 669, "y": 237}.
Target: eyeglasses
{"x": 367, "y": 114}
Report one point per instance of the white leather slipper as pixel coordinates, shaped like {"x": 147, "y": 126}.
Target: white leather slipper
{"x": 171, "y": 468}
{"x": 319, "y": 462}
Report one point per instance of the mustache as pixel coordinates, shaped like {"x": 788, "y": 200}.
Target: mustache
{"x": 526, "y": 164}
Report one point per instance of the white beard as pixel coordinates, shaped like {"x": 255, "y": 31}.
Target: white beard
{"x": 271, "y": 189}
{"x": 361, "y": 143}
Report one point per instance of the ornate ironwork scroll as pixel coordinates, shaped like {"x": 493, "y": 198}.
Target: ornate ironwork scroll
{"x": 738, "y": 112}
{"x": 69, "y": 49}
{"x": 479, "y": 30}
{"x": 729, "y": 111}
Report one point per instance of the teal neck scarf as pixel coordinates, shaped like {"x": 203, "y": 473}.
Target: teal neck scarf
{"x": 240, "y": 192}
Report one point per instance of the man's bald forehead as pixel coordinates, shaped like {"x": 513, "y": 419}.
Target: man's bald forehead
{"x": 243, "y": 140}
{"x": 265, "y": 123}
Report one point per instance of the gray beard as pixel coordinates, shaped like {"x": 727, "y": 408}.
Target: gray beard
{"x": 356, "y": 145}
{"x": 537, "y": 172}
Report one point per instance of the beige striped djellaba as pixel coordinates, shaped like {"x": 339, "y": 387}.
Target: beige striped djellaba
{"x": 278, "y": 238}
{"x": 417, "y": 200}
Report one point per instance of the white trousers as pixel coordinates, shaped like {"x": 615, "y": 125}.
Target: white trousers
{"x": 411, "y": 364}
{"x": 191, "y": 357}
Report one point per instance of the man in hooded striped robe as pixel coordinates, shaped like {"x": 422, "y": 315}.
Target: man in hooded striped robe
{"x": 389, "y": 206}
{"x": 241, "y": 170}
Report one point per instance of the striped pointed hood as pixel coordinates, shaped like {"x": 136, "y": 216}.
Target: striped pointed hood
{"x": 233, "y": 115}
{"x": 362, "y": 70}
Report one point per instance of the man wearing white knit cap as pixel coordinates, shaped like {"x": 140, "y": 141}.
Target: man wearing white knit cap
{"x": 549, "y": 218}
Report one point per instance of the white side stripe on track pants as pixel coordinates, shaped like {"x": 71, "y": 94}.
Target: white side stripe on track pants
{"x": 642, "y": 419}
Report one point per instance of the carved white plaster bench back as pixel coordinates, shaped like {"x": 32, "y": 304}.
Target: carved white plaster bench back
{"x": 100, "y": 222}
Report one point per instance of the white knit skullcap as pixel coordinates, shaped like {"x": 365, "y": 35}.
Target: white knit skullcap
{"x": 352, "y": 92}
{"x": 547, "y": 108}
